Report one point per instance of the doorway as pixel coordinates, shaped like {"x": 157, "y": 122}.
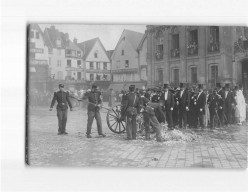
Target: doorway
{"x": 245, "y": 74}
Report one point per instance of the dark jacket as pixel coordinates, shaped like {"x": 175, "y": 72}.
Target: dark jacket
{"x": 201, "y": 101}
{"x": 130, "y": 101}
{"x": 184, "y": 100}
{"x": 157, "y": 111}
{"x": 213, "y": 101}
{"x": 62, "y": 99}
{"x": 93, "y": 97}
{"x": 228, "y": 100}
{"x": 169, "y": 102}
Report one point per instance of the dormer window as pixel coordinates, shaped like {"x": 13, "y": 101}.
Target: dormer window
{"x": 58, "y": 43}
{"x": 78, "y": 53}
{"x": 31, "y": 34}
{"x": 122, "y": 52}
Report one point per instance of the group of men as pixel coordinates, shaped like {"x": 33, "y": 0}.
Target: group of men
{"x": 179, "y": 107}
{"x": 94, "y": 104}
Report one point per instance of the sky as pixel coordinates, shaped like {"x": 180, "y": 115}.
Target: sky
{"x": 108, "y": 34}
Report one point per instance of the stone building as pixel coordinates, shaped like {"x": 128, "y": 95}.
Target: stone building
{"x": 196, "y": 54}
{"x": 125, "y": 61}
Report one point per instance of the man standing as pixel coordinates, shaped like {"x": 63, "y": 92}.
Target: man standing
{"x": 200, "y": 104}
{"x": 168, "y": 100}
{"x": 131, "y": 106}
{"x": 63, "y": 100}
{"x": 192, "y": 114}
{"x": 228, "y": 104}
{"x": 212, "y": 102}
{"x": 183, "y": 99}
{"x": 95, "y": 101}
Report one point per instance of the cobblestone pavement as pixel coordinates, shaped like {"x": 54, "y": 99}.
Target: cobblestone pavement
{"x": 215, "y": 149}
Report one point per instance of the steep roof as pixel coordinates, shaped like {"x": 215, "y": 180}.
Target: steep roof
{"x": 142, "y": 42}
{"x": 51, "y": 35}
{"x": 73, "y": 46}
{"x": 134, "y": 37}
{"x": 109, "y": 53}
{"x": 36, "y": 27}
{"x": 87, "y": 46}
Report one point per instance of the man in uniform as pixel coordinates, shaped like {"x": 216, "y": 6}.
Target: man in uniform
{"x": 63, "y": 100}
{"x": 130, "y": 107}
{"x": 95, "y": 101}
{"x": 228, "y": 104}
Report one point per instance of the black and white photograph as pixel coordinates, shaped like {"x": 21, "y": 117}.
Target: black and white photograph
{"x": 162, "y": 96}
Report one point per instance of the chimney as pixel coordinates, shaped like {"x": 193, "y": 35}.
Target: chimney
{"x": 75, "y": 41}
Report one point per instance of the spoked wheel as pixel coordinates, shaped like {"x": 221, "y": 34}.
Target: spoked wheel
{"x": 114, "y": 121}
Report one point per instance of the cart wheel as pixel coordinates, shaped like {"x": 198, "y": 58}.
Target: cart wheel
{"x": 114, "y": 121}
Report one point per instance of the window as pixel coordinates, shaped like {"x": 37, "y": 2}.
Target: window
{"x": 59, "y": 52}
{"x": 69, "y": 63}
{"x": 59, "y": 63}
{"x": 78, "y": 53}
{"x": 37, "y": 35}
{"x": 194, "y": 75}
{"x": 98, "y": 77}
{"x": 79, "y": 62}
{"x": 193, "y": 42}
{"x": 213, "y": 75}
{"x": 122, "y": 52}
{"x": 105, "y": 77}
{"x": 95, "y": 54}
{"x": 60, "y": 75}
{"x": 32, "y": 45}
{"x": 92, "y": 77}
{"x": 213, "y": 39}
{"x": 79, "y": 75}
{"x": 176, "y": 76}
{"x": 126, "y": 63}
{"x": 91, "y": 65}
{"x": 160, "y": 52}
{"x": 31, "y": 34}
{"x": 160, "y": 76}
{"x": 159, "y": 45}
{"x": 105, "y": 66}
{"x": 97, "y": 65}
{"x": 49, "y": 61}
{"x": 175, "y": 52}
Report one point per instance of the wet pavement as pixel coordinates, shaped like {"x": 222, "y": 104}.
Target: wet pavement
{"x": 226, "y": 148}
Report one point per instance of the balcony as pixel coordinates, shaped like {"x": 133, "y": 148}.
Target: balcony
{"x": 36, "y": 50}
{"x": 159, "y": 56}
{"x": 97, "y": 71}
{"x": 213, "y": 47}
{"x": 38, "y": 62}
{"x": 69, "y": 68}
{"x": 192, "y": 49}
{"x": 241, "y": 46}
{"x": 175, "y": 53}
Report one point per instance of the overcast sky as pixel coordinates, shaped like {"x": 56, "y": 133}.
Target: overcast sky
{"x": 108, "y": 34}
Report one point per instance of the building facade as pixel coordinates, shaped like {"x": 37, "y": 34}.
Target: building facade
{"x": 192, "y": 54}
{"x": 96, "y": 62}
{"x": 125, "y": 61}
{"x": 37, "y": 58}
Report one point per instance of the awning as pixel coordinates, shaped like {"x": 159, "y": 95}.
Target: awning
{"x": 125, "y": 86}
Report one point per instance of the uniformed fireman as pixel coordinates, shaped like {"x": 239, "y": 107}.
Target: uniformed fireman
{"x": 95, "y": 102}
{"x": 62, "y": 98}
